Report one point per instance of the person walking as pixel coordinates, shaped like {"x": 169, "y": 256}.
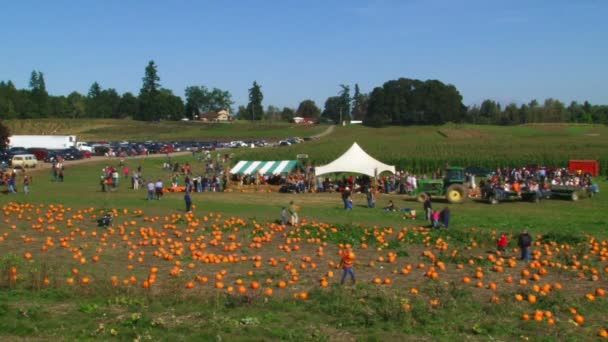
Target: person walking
{"x": 12, "y": 183}
{"x": 61, "y": 174}
{"x": 158, "y": 189}
{"x": 115, "y": 176}
{"x": 150, "y": 190}
{"x": 428, "y": 208}
{"x": 525, "y": 244}
{"x": 444, "y": 217}
{"x": 188, "y": 201}
{"x": 26, "y": 184}
{"x": 348, "y": 258}
{"x": 345, "y": 196}
{"x": 371, "y": 198}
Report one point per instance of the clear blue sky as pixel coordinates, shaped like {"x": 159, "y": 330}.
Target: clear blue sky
{"x": 503, "y": 50}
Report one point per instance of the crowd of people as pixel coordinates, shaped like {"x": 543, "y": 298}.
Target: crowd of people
{"x": 539, "y": 180}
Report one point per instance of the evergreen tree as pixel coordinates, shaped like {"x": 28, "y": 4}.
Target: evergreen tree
{"x": 254, "y": 107}
{"x": 149, "y": 95}
{"x": 345, "y": 101}
{"x": 39, "y": 95}
{"x": 359, "y": 104}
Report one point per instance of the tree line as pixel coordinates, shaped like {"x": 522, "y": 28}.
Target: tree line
{"x": 397, "y": 102}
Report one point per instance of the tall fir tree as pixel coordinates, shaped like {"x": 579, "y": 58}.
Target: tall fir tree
{"x": 254, "y": 107}
{"x": 149, "y": 95}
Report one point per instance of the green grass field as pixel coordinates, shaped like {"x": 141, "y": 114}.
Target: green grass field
{"x": 51, "y": 240}
{"x": 119, "y": 130}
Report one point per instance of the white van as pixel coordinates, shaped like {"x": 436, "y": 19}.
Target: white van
{"x": 83, "y": 146}
{"x": 22, "y": 161}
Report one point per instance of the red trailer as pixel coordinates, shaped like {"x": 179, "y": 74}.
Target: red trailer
{"x": 585, "y": 166}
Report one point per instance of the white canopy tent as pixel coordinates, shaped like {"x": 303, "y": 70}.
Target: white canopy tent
{"x": 355, "y": 160}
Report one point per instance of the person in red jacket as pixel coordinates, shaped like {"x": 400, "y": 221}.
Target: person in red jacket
{"x": 502, "y": 242}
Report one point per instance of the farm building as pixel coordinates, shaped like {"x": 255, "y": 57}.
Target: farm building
{"x": 301, "y": 120}
{"x": 219, "y": 116}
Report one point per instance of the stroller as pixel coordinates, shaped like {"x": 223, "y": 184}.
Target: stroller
{"x": 105, "y": 220}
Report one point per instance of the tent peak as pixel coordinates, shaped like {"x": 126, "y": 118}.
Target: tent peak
{"x": 355, "y": 159}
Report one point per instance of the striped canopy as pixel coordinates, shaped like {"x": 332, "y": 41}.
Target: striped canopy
{"x": 245, "y": 167}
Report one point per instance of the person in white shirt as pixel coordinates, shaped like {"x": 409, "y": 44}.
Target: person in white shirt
{"x": 158, "y": 189}
{"x": 150, "y": 191}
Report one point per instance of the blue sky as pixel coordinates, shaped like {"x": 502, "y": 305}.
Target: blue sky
{"x": 503, "y": 50}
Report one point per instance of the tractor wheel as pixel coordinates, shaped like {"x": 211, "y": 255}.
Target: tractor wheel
{"x": 422, "y": 197}
{"x": 492, "y": 199}
{"x": 574, "y": 196}
{"x": 456, "y": 193}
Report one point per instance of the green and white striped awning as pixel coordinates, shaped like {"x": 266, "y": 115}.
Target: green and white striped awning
{"x": 245, "y": 167}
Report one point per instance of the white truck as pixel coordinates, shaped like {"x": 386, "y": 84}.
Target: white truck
{"x": 51, "y": 142}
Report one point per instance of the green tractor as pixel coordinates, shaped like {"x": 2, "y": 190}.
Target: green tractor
{"x": 452, "y": 186}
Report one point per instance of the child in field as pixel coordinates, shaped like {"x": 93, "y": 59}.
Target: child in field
{"x": 435, "y": 219}
{"x": 284, "y": 216}
{"x": 502, "y": 242}
{"x": 348, "y": 258}
{"x": 349, "y": 203}
{"x": 293, "y": 213}
{"x": 390, "y": 206}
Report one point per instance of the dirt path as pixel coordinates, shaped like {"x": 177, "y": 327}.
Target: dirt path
{"x": 326, "y": 132}
{"x": 44, "y": 166}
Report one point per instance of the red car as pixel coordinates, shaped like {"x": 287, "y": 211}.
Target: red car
{"x": 167, "y": 149}
{"x": 40, "y": 153}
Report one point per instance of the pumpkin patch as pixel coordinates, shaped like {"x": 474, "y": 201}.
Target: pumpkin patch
{"x": 209, "y": 255}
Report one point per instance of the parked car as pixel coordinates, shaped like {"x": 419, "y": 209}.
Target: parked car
{"x": 167, "y": 149}
{"x": 284, "y": 143}
{"x": 72, "y": 154}
{"x": 17, "y": 150}
{"x": 40, "y": 153}
{"x": 52, "y": 156}
{"x": 23, "y": 161}
{"x": 153, "y": 148}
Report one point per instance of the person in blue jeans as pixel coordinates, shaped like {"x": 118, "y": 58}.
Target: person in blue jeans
{"x": 525, "y": 244}
{"x": 349, "y": 203}
{"x": 188, "y": 201}
{"x": 348, "y": 258}
{"x": 371, "y": 198}
{"x": 150, "y": 191}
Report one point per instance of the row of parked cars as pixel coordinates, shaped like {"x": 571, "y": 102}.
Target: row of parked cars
{"x": 149, "y": 147}
{"x": 19, "y": 157}
{"x": 144, "y": 148}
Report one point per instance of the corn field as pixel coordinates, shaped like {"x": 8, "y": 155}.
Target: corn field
{"x": 425, "y": 149}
